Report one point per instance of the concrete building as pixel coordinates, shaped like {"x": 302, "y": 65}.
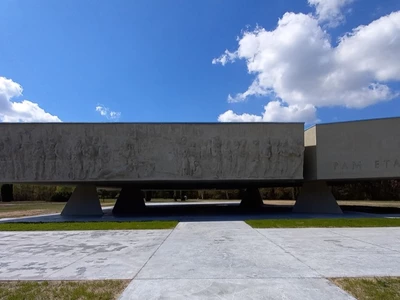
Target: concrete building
{"x": 150, "y": 156}
{"x": 345, "y": 152}
{"x": 247, "y": 156}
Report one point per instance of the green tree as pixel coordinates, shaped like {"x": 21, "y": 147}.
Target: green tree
{"x": 62, "y": 194}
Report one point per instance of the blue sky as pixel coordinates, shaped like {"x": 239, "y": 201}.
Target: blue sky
{"x": 151, "y": 61}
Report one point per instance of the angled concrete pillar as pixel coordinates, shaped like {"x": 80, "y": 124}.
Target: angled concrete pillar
{"x": 130, "y": 201}
{"x": 84, "y": 201}
{"x": 148, "y": 195}
{"x": 315, "y": 197}
{"x": 251, "y": 199}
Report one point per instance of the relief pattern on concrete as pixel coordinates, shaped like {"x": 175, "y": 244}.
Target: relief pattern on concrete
{"x": 112, "y": 152}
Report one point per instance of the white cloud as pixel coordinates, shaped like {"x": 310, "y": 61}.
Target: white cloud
{"x": 106, "y": 112}
{"x": 115, "y": 115}
{"x": 223, "y": 59}
{"x": 230, "y": 116}
{"x": 24, "y": 111}
{"x": 255, "y": 89}
{"x": 275, "y": 111}
{"x": 330, "y": 11}
{"x": 297, "y": 64}
{"x": 373, "y": 48}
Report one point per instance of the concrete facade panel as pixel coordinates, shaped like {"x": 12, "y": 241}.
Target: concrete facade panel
{"x": 358, "y": 150}
{"x": 134, "y": 152}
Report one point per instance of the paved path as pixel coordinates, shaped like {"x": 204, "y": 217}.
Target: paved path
{"x": 206, "y": 260}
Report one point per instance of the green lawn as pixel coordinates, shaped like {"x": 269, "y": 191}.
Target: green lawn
{"x": 87, "y": 226}
{"x": 305, "y": 223}
{"x": 52, "y": 290}
{"x": 383, "y": 288}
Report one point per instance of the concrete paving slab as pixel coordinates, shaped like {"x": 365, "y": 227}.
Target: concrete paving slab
{"x": 223, "y": 250}
{"x": 274, "y": 288}
{"x": 387, "y": 238}
{"x": 77, "y": 254}
{"x": 345, "y": 264}
{"x": 339, "y": 252}
{"x": 321, "y": 241}
{"x": 212, "y": 226}
{"x": 33, "y": 268}
{"x": 365, "y": 233}
{"x": 198, "y": 260}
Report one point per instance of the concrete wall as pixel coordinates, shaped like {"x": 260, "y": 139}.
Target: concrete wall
{"x": 310, "y": 154}
{"x": 126, "y": 152}
{"x": 357, "y": 150}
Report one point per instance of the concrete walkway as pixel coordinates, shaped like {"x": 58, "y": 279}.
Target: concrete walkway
{"x": 206, "y": 260}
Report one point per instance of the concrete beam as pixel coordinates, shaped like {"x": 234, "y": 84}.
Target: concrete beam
{"x": 366, "y": 149}
{"x": 251, "y": 199}
{"x": 115, "y": 154}
{"x": 316, "y": 197}
{"x": 84, "y": 201}
{"x": 130, "y": 201}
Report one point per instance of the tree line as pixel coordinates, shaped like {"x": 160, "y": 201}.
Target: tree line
{"x": 364, "y": 190}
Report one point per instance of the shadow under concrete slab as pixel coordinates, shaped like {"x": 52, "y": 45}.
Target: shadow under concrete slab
{"x": 213, "y": 211}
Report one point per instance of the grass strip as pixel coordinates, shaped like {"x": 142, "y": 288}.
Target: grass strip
{"x": 39, "y": 226}
{"x": 320, "y": 223}
{"x": 51, "y": 290}
{"x": 377, "y": 288}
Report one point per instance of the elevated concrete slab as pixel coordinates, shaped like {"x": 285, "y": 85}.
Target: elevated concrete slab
{"x": 347, "y": 151}
{"x": 367, "y": 149}
{"x": 117, "y": 153}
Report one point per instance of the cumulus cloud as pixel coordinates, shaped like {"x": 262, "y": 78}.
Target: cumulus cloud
{"x": 330, "y": 11}
{"x": 230, "y": 116}
{"x": 297, "y": 64}
{"x": 107, "y": 113}
{"x": 274, "y": 111}
{"x": 24, "y": 111}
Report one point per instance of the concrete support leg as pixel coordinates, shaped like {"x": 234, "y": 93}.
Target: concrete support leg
{"x": 251, "y": 199}
{"x": 315, "y": 197}
{"x": 130, "y": 201}
{"x": 84, "y": 201}
{"x": 148, "y": 196}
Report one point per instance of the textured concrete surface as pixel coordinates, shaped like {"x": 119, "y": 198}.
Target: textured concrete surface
{"x": 353, "y": 150}
{"x": 206, "y": 260}
{"x": 76, "y": 254}
{"x": 342, "y": 252}
{"x": 246, "y": 289}
{"x": 228, "y": 250}
{"x": 129, "y": 152}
